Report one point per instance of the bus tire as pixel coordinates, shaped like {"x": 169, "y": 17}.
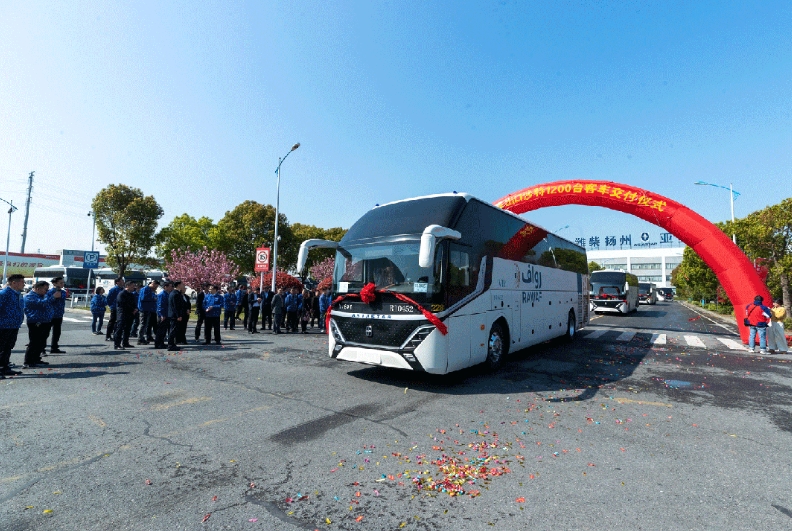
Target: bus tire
{"x": 571, "y": 329}
{"x": 497, "y": 347}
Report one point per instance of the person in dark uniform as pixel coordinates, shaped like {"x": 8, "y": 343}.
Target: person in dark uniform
{"x": 163, "y": 321}
{"x": 254, "y": 306}
{"x": 12, "y": 313}
{"x": 266, "y": 308}
{"x": 57, "y": 318}
{"x": 147, "y": 306}
{"x": 176, "y": 309}
{"x": 213, "y": 304}
{"x": 182, "y": 339}
{"x": 200, "y": 311}
{"x": 126, "y": 308}
{"x": 39, "y": 309}
{"x": 242, "y": 305}
{"x": 136, "y": 317}
{"x": 111, "y": 301}
{"x": 230, "y": 306}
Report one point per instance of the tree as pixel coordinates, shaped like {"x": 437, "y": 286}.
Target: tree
{"x": 303, "y": 232}
{"x": 282, "y": 280}
{"x": 694, "y": 279}
{"x": 767, "y": 234}
{"x": 323, "y": 269}
{"x": 594, "y": 266}
{"x": 201, "y": 267}
{"x": 248, "y": 226}
{"x": 126, "y": 221}
{"x": 185, "y": 232}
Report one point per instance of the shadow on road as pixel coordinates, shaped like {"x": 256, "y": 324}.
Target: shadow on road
{"x": 548, "y": 368}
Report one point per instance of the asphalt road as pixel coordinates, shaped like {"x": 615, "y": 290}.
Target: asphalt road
{"x": 632, "y": 426}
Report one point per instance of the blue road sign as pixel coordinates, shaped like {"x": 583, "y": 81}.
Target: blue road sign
{"x": 90, "y": 260}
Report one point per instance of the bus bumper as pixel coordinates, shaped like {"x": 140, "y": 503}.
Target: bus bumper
{"x": 418, "y": 360}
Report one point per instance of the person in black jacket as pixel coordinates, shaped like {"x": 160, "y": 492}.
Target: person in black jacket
{"x": 242, "y": 305}
{"x": 254, "y": 306}
{"x": 182, "y": 339}
{"x": 266, "y": 308}
{"x": 176, "y": 310}
{"x": 126, "y": 308}
{"x": 200, "y": 311}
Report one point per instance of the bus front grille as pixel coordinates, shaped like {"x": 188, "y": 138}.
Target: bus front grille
{"x": 376, "y": 332}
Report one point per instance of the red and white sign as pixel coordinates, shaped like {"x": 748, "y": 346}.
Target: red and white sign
{"x": 262, "y": 260}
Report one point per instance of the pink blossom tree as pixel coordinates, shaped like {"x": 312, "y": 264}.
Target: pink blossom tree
{"x": 201, "y": 267}
{"x": 323, "y": 270}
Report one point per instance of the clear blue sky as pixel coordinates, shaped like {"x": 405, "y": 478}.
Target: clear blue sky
{"x": 195, "y": 101}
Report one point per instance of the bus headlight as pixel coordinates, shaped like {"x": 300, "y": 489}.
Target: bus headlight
{"x": 336, "y": 332}
{"x": 418, "y": 337}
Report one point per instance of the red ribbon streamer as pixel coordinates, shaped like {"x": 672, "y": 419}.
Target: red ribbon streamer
{"x": 368, "y": 295}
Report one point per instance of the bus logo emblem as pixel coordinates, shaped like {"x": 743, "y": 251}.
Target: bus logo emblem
{"x": 369, "y": 331}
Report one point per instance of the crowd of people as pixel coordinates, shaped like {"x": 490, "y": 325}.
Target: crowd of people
{"x": 152, "y": 314}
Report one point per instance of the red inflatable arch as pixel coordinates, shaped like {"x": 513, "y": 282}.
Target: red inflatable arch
{"x": 733, "y": 269}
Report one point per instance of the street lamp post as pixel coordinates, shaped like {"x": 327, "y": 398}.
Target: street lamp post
{"x": 93, "y": 239}
{"x": 732, "y": 196}
{"x": 277, "y": 206}
{"x": 8, "y": 237}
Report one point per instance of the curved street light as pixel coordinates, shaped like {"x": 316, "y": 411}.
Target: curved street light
{"x": 732, "y": 195}
{"x": 277, "y": 206}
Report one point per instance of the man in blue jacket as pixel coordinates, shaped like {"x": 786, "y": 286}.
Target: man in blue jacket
{"x": 57, "y": 318}
{"x": 147, "y": 306}
{"x": 112, "y": 295}
{"x": 12, "y": 313}
{"x": 229, "y": 305}
{"x": 163, "y": 321}
{"x": 213, "y": 303}
{"x": 325, "y": 300}
{"x": 293, "y": 304}
{"x": 39, "y": 309}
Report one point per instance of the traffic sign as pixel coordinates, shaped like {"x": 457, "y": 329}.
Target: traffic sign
{"x": 90, "y": 260}
{"x": 262, "y": 260}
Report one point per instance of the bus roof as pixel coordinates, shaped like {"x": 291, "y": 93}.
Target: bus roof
{"x": 468, "y": 197}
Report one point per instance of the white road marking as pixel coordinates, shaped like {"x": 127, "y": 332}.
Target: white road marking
{"x": 626, "y": 336}
{"x": 694, "y": 341}
{"x": 732, "y": 344}
{"x": 595, "y": 334}
{"x": 73, "y": 320}
{"x": 658, "y": 339}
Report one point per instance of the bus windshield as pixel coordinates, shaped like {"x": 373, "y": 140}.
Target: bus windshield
{"x": 391, "y": 266}
{"x": 644, "y": 289}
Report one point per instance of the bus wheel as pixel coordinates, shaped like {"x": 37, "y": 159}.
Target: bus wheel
{"x": 497, "y": 347}
{"x": 571, "y": 331}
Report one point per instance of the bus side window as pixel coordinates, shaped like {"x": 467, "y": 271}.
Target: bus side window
{"x": 459, "y": 275}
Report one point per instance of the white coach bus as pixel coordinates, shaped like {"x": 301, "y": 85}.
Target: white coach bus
{"x": 498, "y": 284}
{"x": 613, "y": 291}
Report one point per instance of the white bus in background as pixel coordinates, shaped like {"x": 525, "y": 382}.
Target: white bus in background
{"x": 613, "y": 291}
{"x": 647, "y": 293}
{"x": 497, "y": 282}
{"x": 75, "y": 278}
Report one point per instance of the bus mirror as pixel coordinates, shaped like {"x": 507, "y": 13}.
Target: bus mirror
{"x": 431, "y": 235}
{"x": 307, "y": 245}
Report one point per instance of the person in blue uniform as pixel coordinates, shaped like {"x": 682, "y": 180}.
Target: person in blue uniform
{"x": 147, "y": 306}
{"x": 229, "y": 307}
{"x": 111, "y": 302}
{"x": 39, "y": 309}
{"x": 163, "y": 321}
{"x": 98, "y": 309}
{"x": 213, "y": 303}
{"x": 12, "y": 313}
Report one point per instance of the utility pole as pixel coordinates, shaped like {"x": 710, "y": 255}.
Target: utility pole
{"x": 27, "y": 211}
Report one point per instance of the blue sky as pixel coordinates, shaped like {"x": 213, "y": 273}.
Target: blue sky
{"x": 194, "y": 102}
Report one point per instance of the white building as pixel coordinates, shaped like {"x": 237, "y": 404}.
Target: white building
{"x": 649, "y": 265}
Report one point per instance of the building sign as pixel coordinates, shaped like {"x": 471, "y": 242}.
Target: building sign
{"x": 625, "y": 241}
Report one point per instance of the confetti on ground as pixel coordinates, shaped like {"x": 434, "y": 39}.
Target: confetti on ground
{"x": 206, "y": 517}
